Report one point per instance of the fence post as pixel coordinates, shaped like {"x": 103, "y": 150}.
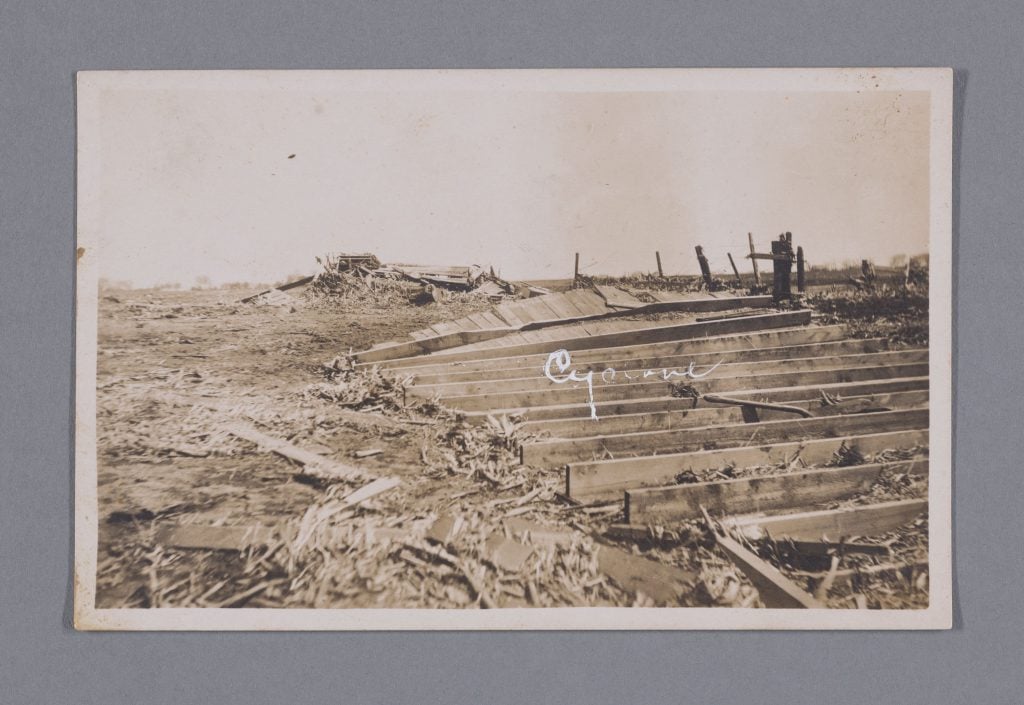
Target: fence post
{"x": 800, "y": 280}
{"x": 739, "y": 280}
{"x": 753, "y": 260}
{"x": 782, "y": 267}
{"x": 657, "y": 256}
{"x": 705, "y": 270}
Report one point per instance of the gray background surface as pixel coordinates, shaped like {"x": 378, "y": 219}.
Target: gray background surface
{"x": 42, "y": 43}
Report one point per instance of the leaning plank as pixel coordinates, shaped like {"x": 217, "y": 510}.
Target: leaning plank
{"x": 556, "y": 452}
{"x": 283, "y": 287}
{"x": 776, "y": 590}
{"x": 863, "y": 520}
{"x": 714, "y": 414}
{"x": 758, "y": 494}
{"x": 312, "y": 463}
{"x": 606, "y": 479}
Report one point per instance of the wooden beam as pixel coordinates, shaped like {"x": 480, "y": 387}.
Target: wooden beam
{"x": 775, "y": 589}
{"x": 733, "y": 344}
{"x": 605, "y": 409}
{"x": 670, "y": 355}
{"x": 654, "y": 334}
{"x": 535, "y": 380}
{"x": 707, "y": 415}
{"x": 560, "y": 452}
{"x": 606, "y": 479}
{"x": 861, "y": 520}
{"x": 312, "y": 463}
{"x": 753, "y": 260}
{"x": 739, "y": 280}
{"x": 791, "y": 490}
{"x": 446, "y": 357}
{"x": 578, "y": 392}
{"x": 854, "y": 576}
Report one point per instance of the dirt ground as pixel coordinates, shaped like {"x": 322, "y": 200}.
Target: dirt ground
{"x": 176, "y": 369}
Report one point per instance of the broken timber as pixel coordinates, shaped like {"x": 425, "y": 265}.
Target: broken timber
{"x": 606, "y": 479}
{"x": 758, "y": 494}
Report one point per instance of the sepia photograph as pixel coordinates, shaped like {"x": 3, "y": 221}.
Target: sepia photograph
{"x": 514, "y": 349}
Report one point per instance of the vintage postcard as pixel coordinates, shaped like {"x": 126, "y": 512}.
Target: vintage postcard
{"x": 559, "y": 349}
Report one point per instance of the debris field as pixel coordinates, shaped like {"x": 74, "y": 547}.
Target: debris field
{"x": 394, "y": 436}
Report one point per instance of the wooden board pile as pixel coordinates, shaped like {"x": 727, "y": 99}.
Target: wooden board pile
{"x": 760, "y": 425}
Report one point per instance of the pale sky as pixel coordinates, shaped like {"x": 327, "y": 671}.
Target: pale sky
{"x": 198, "y": 182}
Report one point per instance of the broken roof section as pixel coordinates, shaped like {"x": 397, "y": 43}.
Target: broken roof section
{"x": 519, "y": 322}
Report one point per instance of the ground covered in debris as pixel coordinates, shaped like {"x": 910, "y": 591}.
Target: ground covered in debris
{"x": 176, "y": 369}
{"x": 466, "y": 527}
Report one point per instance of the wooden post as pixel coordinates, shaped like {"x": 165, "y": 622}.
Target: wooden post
{"x": 705, "y": 270}
{"x": 867, "y": 270}
{"x": 757, "y": 277}
{"x": 657, "y": 256}
{"x": 735, "y": 271}
{"x": 782, "y": 268}
{"x": 576, "y": 269}
{"x": 800, "y": 281}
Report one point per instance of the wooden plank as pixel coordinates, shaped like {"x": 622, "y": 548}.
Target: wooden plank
{"x": 470, "y": 372}
{"x": 536, "y": 380}
{"x": 595, "y": 334}
{"x": 775, "y": 589}
{"x": 561, "y": 306}
{"x": 619, "y": 298}
{"x": 468, "y": 323}
{"x": 791, "y": 490}
{"x": 312, "y": 463}
{"x": 578, "y": 392}
{"x": 635, "y": 574}
{"x": 213, "y": 538}
{"x": 587, "y": 301}
{"x": 526, "y": 312}
{"x": 861, "y": 520}
{"x": 507, "y": 313}
{"x": 393, "y": 351}
{"x": 860, "y": 575}
{"x": 421, "y": 335}
{"x": 545, "y": 310}
{"x": 653, "y": 334}
{"x": 445, "y": 327}
{"x": 665, "y": 403}
{"x": 494, "y": 322}
{"x": 483, "y": 322}
{"x": 707, "y": 415}
{"x": 606, "y": 479}
{"x": 559, "y": 452}
{"x": 755, "y": 340}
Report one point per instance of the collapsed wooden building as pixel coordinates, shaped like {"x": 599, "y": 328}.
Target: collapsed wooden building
{"x": 636, "y": 410}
